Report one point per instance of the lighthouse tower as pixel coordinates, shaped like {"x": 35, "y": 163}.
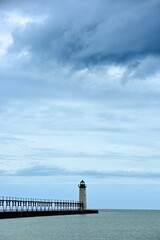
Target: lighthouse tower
{"x": 82, "y": 194}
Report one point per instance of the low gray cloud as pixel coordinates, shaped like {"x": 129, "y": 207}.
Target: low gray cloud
{"x": 41, "y": 171}
{"x": 122, "y": 174}
{"x": 56, "y": 171}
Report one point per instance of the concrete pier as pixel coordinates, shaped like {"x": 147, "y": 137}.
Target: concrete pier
{"x": 13, "y": 207}
{"x": 23, "y": 207}
{"x": 4, "y": 215}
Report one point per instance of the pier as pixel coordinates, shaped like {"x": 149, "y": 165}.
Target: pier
{"x": 23, "y": 207}
{"x": 13, "y": 207}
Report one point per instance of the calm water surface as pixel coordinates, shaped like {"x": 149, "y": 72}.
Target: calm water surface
{"x": 107, "y": 225}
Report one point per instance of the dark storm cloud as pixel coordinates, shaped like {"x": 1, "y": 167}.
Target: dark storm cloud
{"x": 91, "y": 33}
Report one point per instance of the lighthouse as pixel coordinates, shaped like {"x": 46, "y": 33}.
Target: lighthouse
{"x": 82, "y": 194}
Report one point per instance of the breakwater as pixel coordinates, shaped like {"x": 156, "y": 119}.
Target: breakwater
{"x": 44, "y": 213}
{"x": 24, "y": 207}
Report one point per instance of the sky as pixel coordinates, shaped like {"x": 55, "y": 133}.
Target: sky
{"x": 79, "y": 99}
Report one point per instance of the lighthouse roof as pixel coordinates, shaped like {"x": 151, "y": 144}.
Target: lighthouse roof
{"x": 82, "y": 181}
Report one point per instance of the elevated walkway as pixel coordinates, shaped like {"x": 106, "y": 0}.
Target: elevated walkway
{"x": 24, "y": 207}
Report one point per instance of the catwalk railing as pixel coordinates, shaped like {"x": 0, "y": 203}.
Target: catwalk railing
{"x": 29, "y": 204}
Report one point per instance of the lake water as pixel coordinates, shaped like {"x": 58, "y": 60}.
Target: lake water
{"x": 107, "y": 225}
